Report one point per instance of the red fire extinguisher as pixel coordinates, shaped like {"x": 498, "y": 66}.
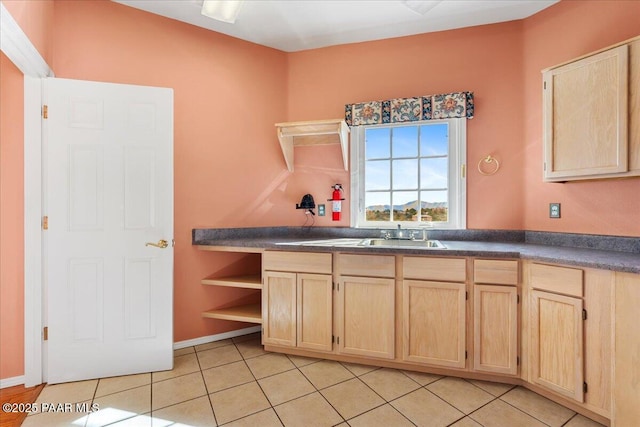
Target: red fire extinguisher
{"x": 336, "y": 201}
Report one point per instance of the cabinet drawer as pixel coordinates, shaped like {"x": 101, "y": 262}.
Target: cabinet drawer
{"x": 447, "y": 269}
{"x": 367, "y": 265}
{"x": 561, "y": 280}
{"x": 499, "y": 272}
{"x": 297, "y": 262}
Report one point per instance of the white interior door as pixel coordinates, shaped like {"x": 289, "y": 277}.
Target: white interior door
{"x": 108, "y": 190}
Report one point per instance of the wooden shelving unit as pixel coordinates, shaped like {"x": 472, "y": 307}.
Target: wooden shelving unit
{"x": 251, "y": 281}
{"x": 251, "y": 313}
{"x": 318, "y": 132}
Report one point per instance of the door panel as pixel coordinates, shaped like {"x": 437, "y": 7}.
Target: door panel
{"x": 557, "y": 343}
{"x": 495, "y": 329}
{"x": 367, "y": 316}
{"x": 108, "y": 190}
{"x": 434, "y": 323}
{"x": 315, "y": 319}
{"x": 279, "y": 308}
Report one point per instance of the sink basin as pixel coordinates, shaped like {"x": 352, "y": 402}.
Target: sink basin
{"x": 388, "y": 243}
{"x": 425, "y": 244}
{"x": 326, "y": 242}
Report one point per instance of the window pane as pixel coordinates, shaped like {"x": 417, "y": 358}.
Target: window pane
{"x": 378, "y": 143}
{"x": 405, "y": 206}
{"x": 405, "y": 174}
{"x": 434, "y": 140}
{"x": 405, "y": 141}
{"x": 377, "y": 175}
{"x": 435, "y": 206}
{"x": 377, "y": 206}
{"x": 434, "y": 173}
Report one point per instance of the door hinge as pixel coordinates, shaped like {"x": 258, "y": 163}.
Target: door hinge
{"x": 517, "y": 299}
{"x": 45, "y": 222}
{"x": 333, "y": 339}
{"x": 465, "y": 354}
{"x": 338, "y": 340}
{"x": 45, "y": 333}
{"x": 466, "y": 295}
{"x": 584, "y": 314}
{"x": 544, "y": 85}
{"x": 584, "y": 387}
{"x": 45, "y": 111}
{"x": 463, "y": 171}
{"x": 338, "y": 286}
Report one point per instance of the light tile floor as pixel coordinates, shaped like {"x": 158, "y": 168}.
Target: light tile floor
{"x": 236, "y": 383}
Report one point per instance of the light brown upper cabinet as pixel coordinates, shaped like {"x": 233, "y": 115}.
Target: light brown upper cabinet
{"x": 591, "y": 115}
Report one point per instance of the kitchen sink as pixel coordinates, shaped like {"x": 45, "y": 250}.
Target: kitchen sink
{"x": 383, "y": 243}
{"x": 402, "y": 243}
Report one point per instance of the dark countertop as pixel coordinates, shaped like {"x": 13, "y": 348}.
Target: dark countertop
{"x": 588, "y": 250}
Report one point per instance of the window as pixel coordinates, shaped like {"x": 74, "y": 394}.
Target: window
{"x": 412, "y": 174}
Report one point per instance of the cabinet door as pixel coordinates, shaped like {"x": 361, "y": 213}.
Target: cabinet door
{"x": 314, "y": 304}
{"x": 279, "y": 308}
{"x": 367, "y": 317}
{"x": 495, "y": 322}
{"x": 556, "y": 353}
{"x": 434, "y": 323}
{"x": 585, "y": 117}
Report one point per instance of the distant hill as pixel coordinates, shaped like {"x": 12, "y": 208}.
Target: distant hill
{"x": 408, "y": 205}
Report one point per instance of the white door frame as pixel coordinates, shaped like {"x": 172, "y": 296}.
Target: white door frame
{"x": 19, "y": 49}
{"x": 32, "y": 232}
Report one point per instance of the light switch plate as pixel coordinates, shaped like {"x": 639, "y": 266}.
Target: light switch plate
{"x": 554, "y": 210}
{"x": 321, "y": 210}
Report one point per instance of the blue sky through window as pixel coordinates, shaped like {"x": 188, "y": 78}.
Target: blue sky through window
{"x": 407, "y": 164}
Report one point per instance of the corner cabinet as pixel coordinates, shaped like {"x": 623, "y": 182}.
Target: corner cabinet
{"x": 591, "y": 117}
{"x": 318, "y": 132}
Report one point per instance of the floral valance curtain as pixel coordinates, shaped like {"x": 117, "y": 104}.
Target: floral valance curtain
{"x": 430, "y": 107}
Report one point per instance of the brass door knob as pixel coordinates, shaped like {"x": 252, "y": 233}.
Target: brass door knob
{"x": 161, "y": 244}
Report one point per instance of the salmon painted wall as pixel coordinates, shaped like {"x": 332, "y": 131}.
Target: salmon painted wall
{"x": 11, "y": 220}
{"x": 558, "y": 34}
{"x": 228, "y": 167}
{"x": 485, "y": 59}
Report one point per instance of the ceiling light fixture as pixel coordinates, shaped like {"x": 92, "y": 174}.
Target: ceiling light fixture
{"x": 222, "y": 10}
{"x": 421, "y": 6}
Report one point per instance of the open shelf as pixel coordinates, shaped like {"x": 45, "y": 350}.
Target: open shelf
{"x": 251, "y": 313}
{"x": 318, "y": 132}
{"x": 250, "y": 281}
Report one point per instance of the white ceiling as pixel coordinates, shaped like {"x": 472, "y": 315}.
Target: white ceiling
{"x": 293, "y": 25}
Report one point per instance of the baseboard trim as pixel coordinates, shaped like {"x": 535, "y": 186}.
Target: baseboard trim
{"x": 11, "y": 382}
{"x": 218, "y": 337}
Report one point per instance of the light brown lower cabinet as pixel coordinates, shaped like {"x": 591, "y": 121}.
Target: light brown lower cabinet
{"x": 579, "y": 325}
{"x": 557, "y": 356}
{"x": 366, "y": 316}
{"x": 495, "y": 333}
{"x": 626, "y": 379}
{"x": 297, "y": 310}
{"x": 434, "y": 323}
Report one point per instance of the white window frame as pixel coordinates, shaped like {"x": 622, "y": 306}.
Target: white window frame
{"x": 457, "y": 190}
